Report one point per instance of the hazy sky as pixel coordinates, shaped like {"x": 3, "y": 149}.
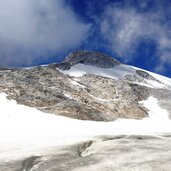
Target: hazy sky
{"x": 137, "y": 32}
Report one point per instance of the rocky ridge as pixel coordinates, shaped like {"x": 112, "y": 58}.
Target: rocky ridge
{"x": 88, "y": 58}
{"x": 89, "y": 97}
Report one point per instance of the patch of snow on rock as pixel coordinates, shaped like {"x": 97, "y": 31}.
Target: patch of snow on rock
{"x": 77, "y": 84}
{"x": 118, "y": 72}
{"x": 162, "y": 79}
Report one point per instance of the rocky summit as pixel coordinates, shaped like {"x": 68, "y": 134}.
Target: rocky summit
{"x": 88, "y": 58}
{"x": 86, "y": 85}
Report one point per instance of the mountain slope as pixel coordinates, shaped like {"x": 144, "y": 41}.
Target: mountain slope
{"x": 81, "y": 87}
{"x": 136, "y": 102}
{"x": 25, "y": 131}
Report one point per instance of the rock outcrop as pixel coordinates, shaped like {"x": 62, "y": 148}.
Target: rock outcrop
{"x": 88, "y": 58}
{"x": 89, "y": 97}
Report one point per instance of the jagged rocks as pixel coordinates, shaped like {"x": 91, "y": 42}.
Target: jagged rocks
{"x": 91, "y": 58}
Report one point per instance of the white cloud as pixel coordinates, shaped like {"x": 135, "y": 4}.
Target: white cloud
{"x": 124, "y": 28}
{"x": 33, "y": 29}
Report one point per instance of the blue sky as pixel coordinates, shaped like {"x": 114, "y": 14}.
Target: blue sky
{"x": 137, "y": 32}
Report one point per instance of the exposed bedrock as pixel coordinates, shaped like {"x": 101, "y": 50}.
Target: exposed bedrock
{"x": 89, "y": 97}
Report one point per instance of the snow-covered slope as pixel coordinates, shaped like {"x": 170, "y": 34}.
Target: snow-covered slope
{"x": 132, "y": 100}
{"x": 83, "y": 88}
{"x": 88, "y": 62}
{"x": 25, "y": 131}
{"x": 118, "y": 72}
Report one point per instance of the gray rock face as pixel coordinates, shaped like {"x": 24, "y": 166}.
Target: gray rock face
{"x": 63, "y": 65}
{"x": 89, "y": 58}
{"x": 143, "y": 73}
{"x": 141, "y": 77}
{"x": 146, "y": 75}
{"x": 89, "y": 97}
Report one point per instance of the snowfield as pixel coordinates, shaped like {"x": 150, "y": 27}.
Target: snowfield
{"x": 26, "y": 131}
{"x": 118, "y": 72}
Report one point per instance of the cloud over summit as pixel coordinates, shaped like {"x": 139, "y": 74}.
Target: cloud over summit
{"x": 124, "y": 28}
{"x": 33, "y": 29}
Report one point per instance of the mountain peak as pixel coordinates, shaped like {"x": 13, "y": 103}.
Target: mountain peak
{"x": 93, "y": 58}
